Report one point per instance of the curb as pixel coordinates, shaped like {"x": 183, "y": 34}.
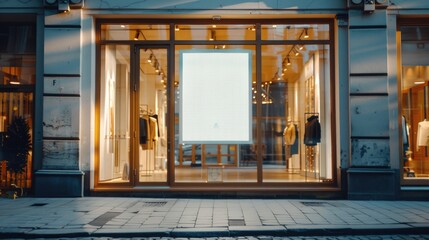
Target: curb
{"x": 233, "y": 231}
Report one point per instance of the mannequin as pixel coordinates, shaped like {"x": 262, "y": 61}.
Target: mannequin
{"x": 289, "y": 139}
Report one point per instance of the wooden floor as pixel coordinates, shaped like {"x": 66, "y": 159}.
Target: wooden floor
{"x": 227, "y": 175}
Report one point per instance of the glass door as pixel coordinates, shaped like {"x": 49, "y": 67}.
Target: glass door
{"x": 151, "y": 102}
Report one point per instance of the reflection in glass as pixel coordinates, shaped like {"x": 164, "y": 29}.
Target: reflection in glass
{"x": 152, "y": 112}
{"x": 18, "y": 70}
{"x": 415, "y": 102}
{"x": 138, "y": 32}
{"x": 115, "y": 114}
{"x": 17, "y": 104}
{"x": 295, "y": 126}
{"x": 295, "y": 32}
{"x": 215, "y": 32}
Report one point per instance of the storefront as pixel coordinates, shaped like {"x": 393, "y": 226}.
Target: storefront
{"x": 242, "y": 99}
{"x": 269, "y": 121}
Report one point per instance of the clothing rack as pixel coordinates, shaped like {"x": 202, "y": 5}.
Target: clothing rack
{"x": 144, "y": 112}
{"x": 312, "y": 156}
{"x": 311, "y": 113}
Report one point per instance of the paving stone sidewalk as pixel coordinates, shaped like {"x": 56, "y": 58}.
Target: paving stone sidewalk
{"x": 187, "y": 218}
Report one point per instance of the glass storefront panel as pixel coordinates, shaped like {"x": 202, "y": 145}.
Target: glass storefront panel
{"x": 18, "y": 69}
{"x": 295, "y": 32}
{"x": 17, "y": 38}
{"x": 215, "y": 32}
{"x": 16, "y": 104}
{"x": 292, "y": 94}
{"x": 114, "y": 165}
{"x": 152, "y": 112}
{"x": 17, "y": 81}
{"x": 415, "y": 102}
{"x": 138, "y": 32}
{"x": 213, "y": 162}
{"x": 295, "y": 126}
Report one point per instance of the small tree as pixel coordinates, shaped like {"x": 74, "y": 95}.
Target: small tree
{"x": 17, "y": 145}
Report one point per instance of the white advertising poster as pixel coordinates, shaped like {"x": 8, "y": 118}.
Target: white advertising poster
{"x": 215, "y": 96}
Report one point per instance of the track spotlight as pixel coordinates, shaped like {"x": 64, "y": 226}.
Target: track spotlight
{"x": 136, "y": 37}
{"x": 306, "y": 33}
{"x": 296, "y": 52}
{"x": 212, "y": 35}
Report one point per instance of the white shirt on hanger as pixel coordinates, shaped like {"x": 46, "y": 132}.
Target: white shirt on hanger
{"x": 423, "y": 133}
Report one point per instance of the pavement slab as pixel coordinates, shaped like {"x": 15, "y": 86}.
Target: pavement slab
{"x": 206, "y": 218}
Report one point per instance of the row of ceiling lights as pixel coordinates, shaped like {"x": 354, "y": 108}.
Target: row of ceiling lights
{"x": 152, "y": 60}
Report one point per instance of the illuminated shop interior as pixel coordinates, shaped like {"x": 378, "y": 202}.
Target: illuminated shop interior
{"x": 289, "y": 103}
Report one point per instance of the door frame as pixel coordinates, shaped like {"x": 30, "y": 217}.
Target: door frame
{"x": 134, "y": 112}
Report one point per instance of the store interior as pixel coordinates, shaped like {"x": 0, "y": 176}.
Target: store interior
{"x": 293, "y": 98}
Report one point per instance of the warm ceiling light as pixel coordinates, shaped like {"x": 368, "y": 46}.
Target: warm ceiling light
{"x": 306, "y": 33}
{"x": 213, "y": 26}
{"x": 288, "y": 62}
{"x": 176, "y": 28}
{"x": 14, "y": 81}
{"x": 296, "y": 52}
{"x": 149, "y": 60}
{"x": 122, "y": 26}
{"x": 300, "y": 47}
{"x": 274, "y": 26}
{"x": 418, "y": 82}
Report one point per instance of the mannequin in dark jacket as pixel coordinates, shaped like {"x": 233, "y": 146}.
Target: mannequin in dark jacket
{"x": 312, "y": 131}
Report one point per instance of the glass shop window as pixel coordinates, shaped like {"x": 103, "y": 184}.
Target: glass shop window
{"x": 415, "y": 102}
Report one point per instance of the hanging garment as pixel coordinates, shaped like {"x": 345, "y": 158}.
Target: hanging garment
{"x": 423, "y": 133}
{"x": 289, "y": 136}
{"x": 405, "y": 131}
{"x": 405, "y": 141}
{"x": 155, "y": 116}
{"x": 295, "y": 145}
{"x": 312, "y": 132}
{"x": 143, "y": 130}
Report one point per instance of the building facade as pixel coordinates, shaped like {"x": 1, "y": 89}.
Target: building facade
{"x": 234, "y": 98}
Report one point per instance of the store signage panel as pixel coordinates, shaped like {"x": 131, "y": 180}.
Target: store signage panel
{"x": 215, "y": 96}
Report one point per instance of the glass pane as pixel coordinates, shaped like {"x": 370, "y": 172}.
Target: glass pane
{"x": 18, "y": 69}
{"x": 295, "y": 32}
{"x": 139, "y": 32}
{"x": 115, "y": 114}
{"x": 17, "y": 38}
{"x": 215, "y": 32}
{"x": 16, "y": 104}
{"x": 295, "y": 122}
{"x": 153, "y": 109}
{"x": 213, "y": 163}
{"x": 415, "y": 102}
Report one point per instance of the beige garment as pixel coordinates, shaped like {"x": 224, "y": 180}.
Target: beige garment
{"x": 289, "y": 134}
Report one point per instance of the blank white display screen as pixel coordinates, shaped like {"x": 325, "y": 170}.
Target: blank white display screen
{"x": 215, "y": 96}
